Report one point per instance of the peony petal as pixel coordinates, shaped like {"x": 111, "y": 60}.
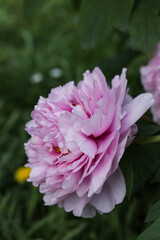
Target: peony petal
{"x": 86, "y": 144}
{"x": 104, "y": 201}
{"x": 83, "y": 187}
{"x": 88, "y": 211}
{"x": 135, "y": 109}
{"x": 117, "y": 185}
{"x": 75, "y": 204}
{"x": 98, "y": 176}
{"x": 37, "y": 173}
{"x": 119, "y": 86}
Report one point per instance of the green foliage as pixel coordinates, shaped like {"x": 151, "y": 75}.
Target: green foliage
{"x": 30, "y": 7}
{"x": 143, "y": 166}
{"x": 119, "y": 12}
{"x": 97, "y": 18}
{"x": 152, "y": 232}
{"x": 154, "y": 213}
{"x": 127, "y": 170}
{"x": 145, "y": 26}
{"x": 148, "y": 129}
{"x": 156, "y": 177}
{"x": 94, "y": 22}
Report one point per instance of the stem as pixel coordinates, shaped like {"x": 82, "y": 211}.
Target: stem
{"x": 144, "y": 140}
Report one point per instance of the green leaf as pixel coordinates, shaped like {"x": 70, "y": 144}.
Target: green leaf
{"x": 154, "y": 213}
{"x": 153, "y": 150}
{"x": 94, "y": 22}
{"x": 148, "y": 129}
{"x": 143, "y": 165}
{"x": 119, "y": 12}
{"x": 39, "y": 224}
{"x": 152, "y": 232}
{"x": 32, "y": 204}
{"x": 145, "y": 26}
{"x": 72, "y": 234}
{"x": 156, "y": 177}
{"x": 127, "y": 170}
{"x": 11, "y": 121}
{"x": 97, "y": 18}
{"x": 30, "y": 6}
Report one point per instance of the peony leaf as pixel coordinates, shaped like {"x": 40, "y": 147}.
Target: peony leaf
{"x": 127, "y": 170}
{"x": 153, "y": 150}
{"x": 154, "y": 213}
{"x": 156, "y": 177}
{"x": 152, "y": 232}
{"x": 147, "y": 129}
{"x": 93, "y": 22}
{"x": 119, "y": 12}
{"x": 31, "y": 6}
{"x": 145, "y": 26}
{"x": 143, "y": 164}
{"x": 76, "y": 231}
{"x": 97, "y": 17}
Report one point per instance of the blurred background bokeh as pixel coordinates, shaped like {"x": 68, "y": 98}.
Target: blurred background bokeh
{"x": 41, "y": 48}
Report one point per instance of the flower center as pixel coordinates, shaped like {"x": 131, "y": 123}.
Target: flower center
{"x": 57, "y": 149}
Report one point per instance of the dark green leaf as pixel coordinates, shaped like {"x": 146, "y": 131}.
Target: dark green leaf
{"x": 156, "y": 177}
{"x": 31, "y": 6}
{"x": 154, "y": 213}
{"x": 119, "y": 12}
{"x": 153, "y": 149}
{"x": 93, "y": 22}
{"x": 135, "y": 86}
{"x": 76, "y": 4}
{"x": 145, "y": 26}
{"x": 127, "y": 170}
{"x": 97, "y": 17}
{"x": 143, "y": 165}
{"x": 39, "y": 224}
{"x": 147, "y": 129}
{"x": 72, "y": 234}
{"x": 152, "y": 232}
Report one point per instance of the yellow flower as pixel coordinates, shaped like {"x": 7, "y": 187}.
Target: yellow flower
{"x": 21, "y": 174}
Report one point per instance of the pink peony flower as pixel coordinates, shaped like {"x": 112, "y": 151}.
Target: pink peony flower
{"x": 150, "y": 78}
{"x": 78, "y": 136}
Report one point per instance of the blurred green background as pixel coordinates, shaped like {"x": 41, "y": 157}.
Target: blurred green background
{"x": 41, "y": 48}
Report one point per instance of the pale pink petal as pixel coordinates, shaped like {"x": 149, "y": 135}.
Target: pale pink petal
{"x": 104, "y": 201}
{"x": 98, "y": 176}
{"x": 88, "y": 211}
{"x": 136, "y": 108}
{"x": 117, "y": 185}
